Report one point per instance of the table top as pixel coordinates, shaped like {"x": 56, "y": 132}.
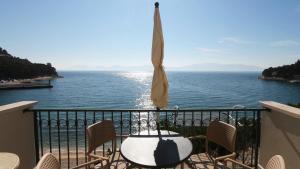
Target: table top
{"x": 154, "y": 149}
{"x": 9, "y": 160}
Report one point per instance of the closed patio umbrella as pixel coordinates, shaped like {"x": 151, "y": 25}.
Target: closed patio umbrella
{"x": 159, "y": 90}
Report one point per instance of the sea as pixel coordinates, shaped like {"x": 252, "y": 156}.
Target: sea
{"x": 131, "y": 90}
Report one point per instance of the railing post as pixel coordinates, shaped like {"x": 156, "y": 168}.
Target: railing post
{"x": 36, "y": 137}
{"x": 257, "y": 138}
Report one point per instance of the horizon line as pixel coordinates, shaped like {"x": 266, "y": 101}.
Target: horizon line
{"x": 103, "y": 70}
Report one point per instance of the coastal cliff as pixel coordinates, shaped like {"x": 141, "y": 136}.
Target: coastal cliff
{"x": 16, "y": 68}
{"x": 288, "y": 73}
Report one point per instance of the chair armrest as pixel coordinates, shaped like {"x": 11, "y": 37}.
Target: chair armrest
{"x": 198, "y": 136}
{"x": 236, "y": 163}
{"x": 87, "y": 164}
{"x": 232, "y": 155}
{"x": 98, "y": 157}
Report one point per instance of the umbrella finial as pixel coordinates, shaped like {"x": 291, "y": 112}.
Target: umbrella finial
{"x": 156, "y": 4}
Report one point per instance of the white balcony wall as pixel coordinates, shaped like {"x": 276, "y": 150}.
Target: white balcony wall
{"x": 280, "y": 134}
{"x": 17, "y": 132}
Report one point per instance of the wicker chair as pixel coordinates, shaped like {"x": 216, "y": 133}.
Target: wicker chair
{"x": 48, "y": 161}
{"x": 276, "y": 162}
{"x": 220, "y": 133}
{"x": 98, "y": 134}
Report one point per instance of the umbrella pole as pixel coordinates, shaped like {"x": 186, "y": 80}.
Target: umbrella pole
{"x": 157, "y": 123}
{"x": 157, "y": 118}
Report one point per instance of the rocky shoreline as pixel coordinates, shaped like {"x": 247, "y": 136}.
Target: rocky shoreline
{"x": 279, "y": 79}
{"x": 286, "y": 73}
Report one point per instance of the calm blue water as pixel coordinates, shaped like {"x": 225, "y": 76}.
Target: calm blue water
{"x": 132, "y": 90}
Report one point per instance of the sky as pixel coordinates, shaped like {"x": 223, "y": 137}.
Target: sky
{"x": 96, "y": 35}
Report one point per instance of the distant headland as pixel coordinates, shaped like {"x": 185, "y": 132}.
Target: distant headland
{"x": 287, "y": 73}
{"x": 17, "y": 73}
{"x": 16, "y": 68}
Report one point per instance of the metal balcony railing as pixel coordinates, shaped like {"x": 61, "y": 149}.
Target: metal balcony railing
{"x": 63, "y": 131}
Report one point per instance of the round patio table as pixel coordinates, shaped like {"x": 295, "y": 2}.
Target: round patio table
{"x": 9, "y": 160}
{"x": 156, "y": 149}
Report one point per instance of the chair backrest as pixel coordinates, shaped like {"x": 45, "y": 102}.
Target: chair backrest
{"x": 48, "y": 161}
{"x": 276, "y": 162}
{"x": 100, "y": 133}
{"x": 222, "y": 134}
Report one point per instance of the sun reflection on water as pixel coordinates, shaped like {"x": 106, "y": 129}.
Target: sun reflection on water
{"x": 141, "y": 77}
{"x": 144, "y": 80}
{"x": 143, "y": 100}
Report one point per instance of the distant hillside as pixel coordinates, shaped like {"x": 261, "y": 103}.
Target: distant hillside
{"x": 219, "y": 67}
{"x": 16, "y": 68}
{"x": 286, "y": 72}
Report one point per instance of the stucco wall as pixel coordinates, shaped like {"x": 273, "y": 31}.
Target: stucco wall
{"x": 280, "y": 134}
{"x": 17, "y": 132}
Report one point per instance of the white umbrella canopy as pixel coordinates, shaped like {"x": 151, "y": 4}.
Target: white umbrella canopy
{"x": 159, "y": 90}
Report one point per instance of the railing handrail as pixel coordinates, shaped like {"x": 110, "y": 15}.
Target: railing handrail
{"x": 145, "y": 110}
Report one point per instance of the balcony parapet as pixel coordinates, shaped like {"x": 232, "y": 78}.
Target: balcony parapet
{"x": 280, "y": 134}
{"x": 288, "y": 110}
{"x": 17, "y": 132}
{"x": 15, "y": 107}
